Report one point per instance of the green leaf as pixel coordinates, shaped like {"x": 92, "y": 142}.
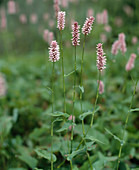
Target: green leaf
{"x": 134, "y": 110}
{"x": 56, "y": 114}
{"x": 66, "y": 75}
{"x": 74, "y": 153}
{"x": 82, "y": 116}
{"x": 65, "y": 126}
{"x": 37, "y": 169}
{"x": 115, "y": 137}
{"x": 45, "y": 154}
{"x": 93, "y": 139}
{"x": 57, "y": 120}
{"x": 29, "y": 160}
{"x": 81, "y": 88}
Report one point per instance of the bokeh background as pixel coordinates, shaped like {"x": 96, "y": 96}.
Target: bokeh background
{"x": 26, "y": 29}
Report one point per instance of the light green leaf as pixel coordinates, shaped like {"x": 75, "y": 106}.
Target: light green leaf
{"x": 57, "y": 120}
{"x": 74, "y": 153}
{"x": 134, "y": 110}
{"x": 93, "y": 139}
{"x": 82, "y": 116}
{"x": 66, "y": 75}
{"x": 81, "y": 88}
{"x": 29, "y": 160}
{"x": 56, "y": 114}
{"x": 115, "y": 137}
{"x": 45, "y": 154}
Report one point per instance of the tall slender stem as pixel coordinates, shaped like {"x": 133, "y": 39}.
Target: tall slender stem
{"x": 61, "y": 50}
{"x": 81, "y": 84}
{"x": 52, "y": 117}
{"x": 126, "y": 121}
{"x": 93, "y": 113}
{"x": 74, "y": 93}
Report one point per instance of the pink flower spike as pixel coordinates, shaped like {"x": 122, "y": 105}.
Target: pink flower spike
{"x": 56, "y": 7}
{"x": 45, "y": 35}
{"x": 130, "y": 63}
{"x": 101, "y": 87}
{"x": 3, "y": 88}
{"x": 61, "y": 20}
{"x": 75, "y": 34}
{"x": 115, "y": 47}
{"x": 87, "y": 27}
{"x": 54, "y": 52}
{"x": 122, "y": 43}
{"x": 105, "y": 16}
{"x": 101, "y": 59}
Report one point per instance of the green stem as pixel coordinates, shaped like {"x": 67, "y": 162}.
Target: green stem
{"x": 73, "y": 99}
{"x": 93, "y": 113}
{"x": 61, "y": 49}
{"x": 52, "y": 117}
{"x": 81, "y": 83}
{"x": 126, "y": 121}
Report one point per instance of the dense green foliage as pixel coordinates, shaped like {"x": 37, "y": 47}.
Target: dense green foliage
{"x": 25, "y": 111}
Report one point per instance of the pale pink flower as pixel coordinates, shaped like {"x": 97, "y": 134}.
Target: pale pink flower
{"x": 128, "y": 10}
{"x": 56, "y": 7}
{"x": 105, "y": 17}
{"x": 87, "y": 27}
{"x": 99, "y": 18}
{"x": 70, "y": 118}
{"x": 64, "y": 3}
{"x": 54, "y": 54}
{"x": 50, "y": 37}
{"x": 23, "y": 18}
{"x": 101, "y": 87}
{"x": 103, "y": 37}
{"x": 90, "y": 12}
{"x": 61, "y": 20}
{"x": 46, "y": 35}
{"x": 45, "y": 16}
{"x": 3, "y": 23}
{"x": 33, "y": 18}
{"x": 11, "y": 7}
{"x": 130, "y": 63}
{"x": 101, "y": 59}
{"x": 122, "y": 43}
{"x": 118, "y": 21}
{"x": 134, "y": 40}
{"x": 115, "y": 47}
{"x": 75, "y": 34}
{"x": 107, "y": 28}
{"x": 29, "y": 2}
{"x": 2, "y": 86}
{"x": 51, "y": 23}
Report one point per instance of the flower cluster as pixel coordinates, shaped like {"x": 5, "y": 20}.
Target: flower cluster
{"x": 61, "y": 20}
{"x": 101, "y": 59}
{"x": 75, "y": 34}
{"x": 56, "y": 7}
{"x": 87, "y": 27}
{"x": 2, "y": 86}
{"x": 54, "y": 54}
{"x": 119, "y": 44}
{"x": 130, "y": 63}
{"x": 101, "y": 87}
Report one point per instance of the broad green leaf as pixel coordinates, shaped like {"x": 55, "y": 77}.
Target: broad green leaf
{"x": 93, "y": 139}
{"x": 17, "y": 169}
{"x": 57, "y": 120}
{"x": 38, "y": 169}
{"x": 65, "y": 126}
{"x": 74, "y": 153}
{"x": 29, "y": 160}
{"x": 134, "y": 110}
{"x": 82, "y": 116}
{"x": 56, "y": 114}
{"x": 115, "y": 137}
{"x": 45, "y": 154}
